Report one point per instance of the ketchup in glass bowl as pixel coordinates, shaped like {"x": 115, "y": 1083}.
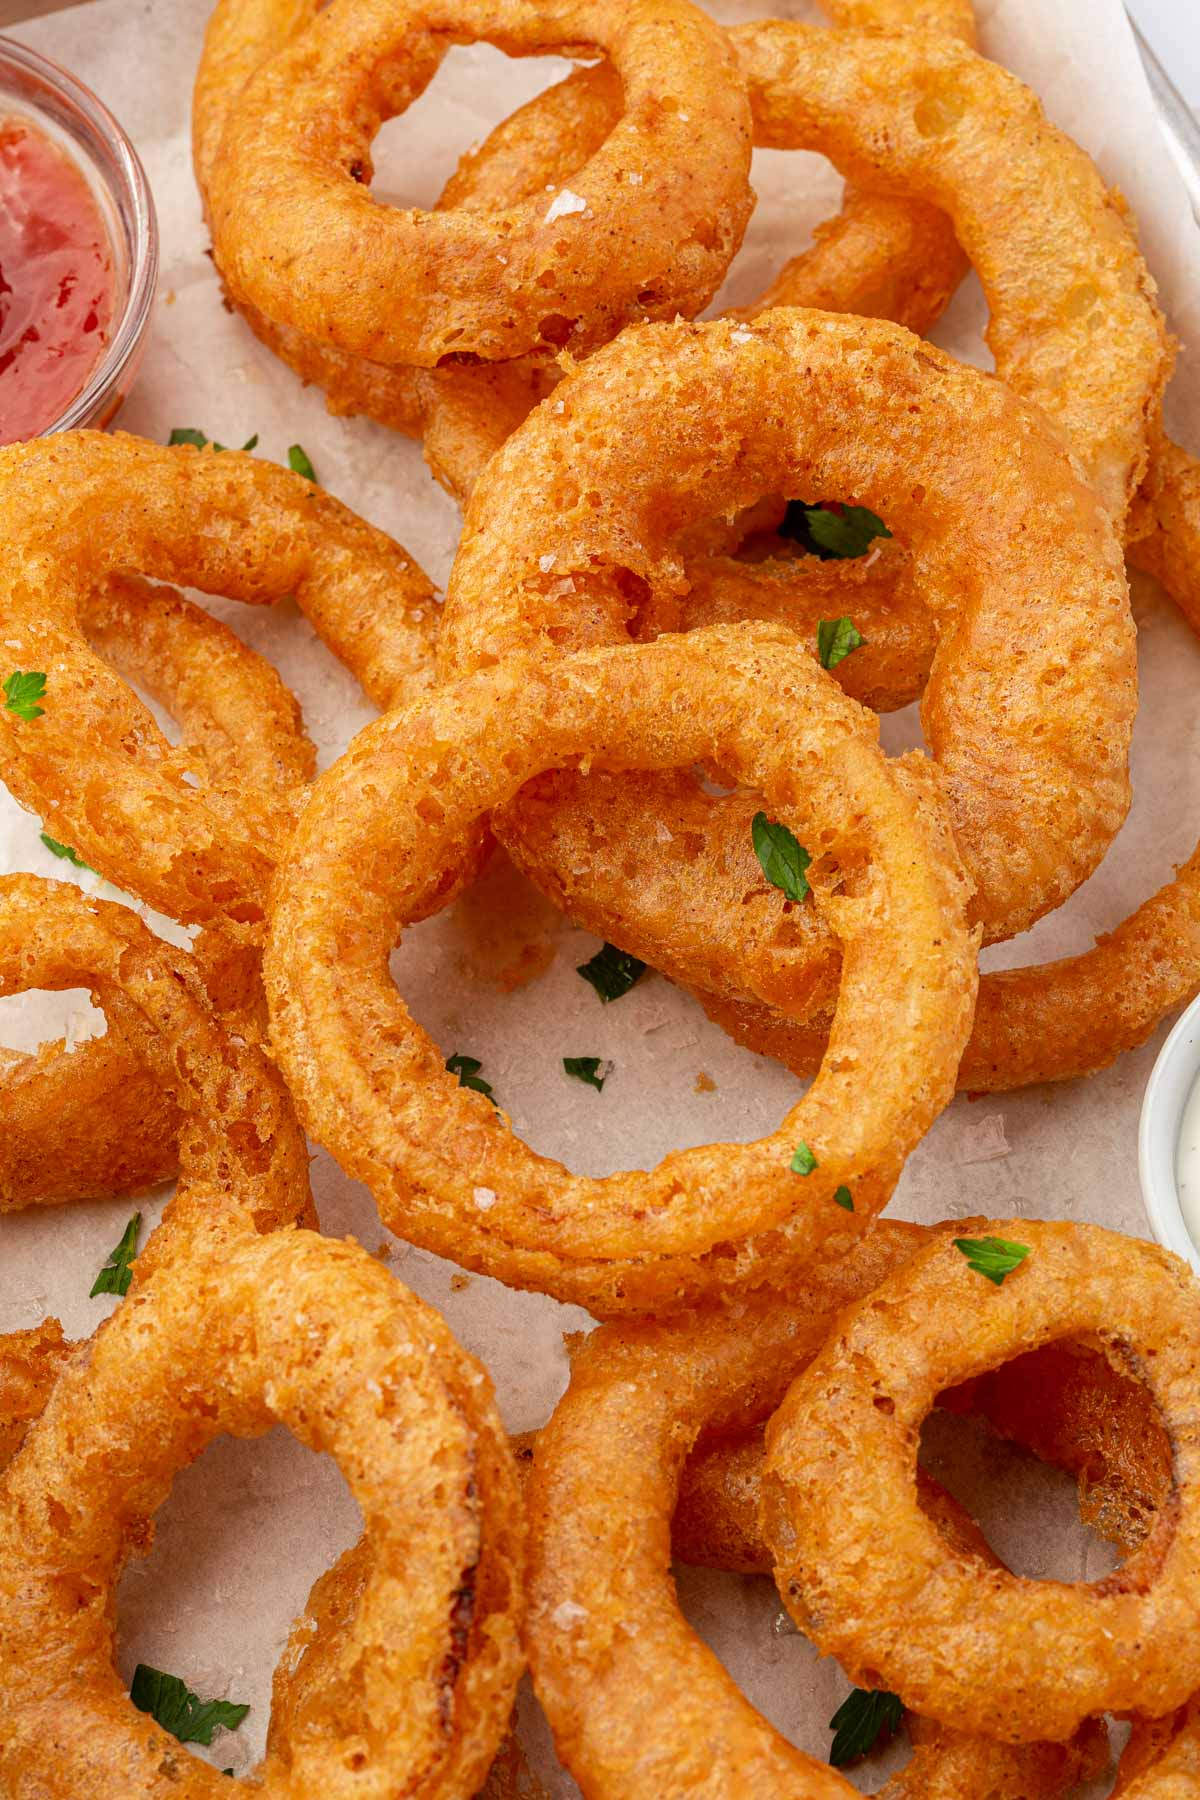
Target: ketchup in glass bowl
{"x": 78, "y": 252}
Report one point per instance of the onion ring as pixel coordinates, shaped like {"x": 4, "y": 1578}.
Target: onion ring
{"x": 637, "y": 1704}
{"x": 265, "y": 1331}
{"x": 296, "y": 150}
{"x": 441, "y": 1162}
{"x": 638, "y": 426}
{"x": 883, "y": 256}
{"x": 845, "y": 1437}
{"x": 254, "y": 1171}
{"x": 202, "y": 852}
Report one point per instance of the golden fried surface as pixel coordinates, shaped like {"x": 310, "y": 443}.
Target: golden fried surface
{"x": 372, "y": 1086}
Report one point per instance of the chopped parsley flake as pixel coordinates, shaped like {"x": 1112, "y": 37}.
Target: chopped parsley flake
{"x": 862, "y": 1718}
{"x": 836, "y": 638}
{"x": 832, "y": 530}
{"x": 992, "y": 1257}
{"x": 467, "y": 1069}
{"x": 115, "y": 1276}
{"x": 298, "y": 462}
{"x": 586, "y": 1068}
{"x": 66, "y": 852}
{"x": 803, "y": 1161}
{"x": 173, "y": 1705}
{"x": 22, "y": 691}
{"x": 187, "y": 434}
{"x": 843, "y": 1197}
{"x": 612, "y": 972}
{"x": 783, "y": 861}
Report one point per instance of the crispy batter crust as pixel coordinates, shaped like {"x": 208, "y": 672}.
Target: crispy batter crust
{"x": 647, "y": 228}
{"x": 409, "y": 1682}
{"x": 977, "y": 1649}
{"x": 674, "y": 424}
{"x": 154, "y": 818}
{"x": 372, "y": 1086}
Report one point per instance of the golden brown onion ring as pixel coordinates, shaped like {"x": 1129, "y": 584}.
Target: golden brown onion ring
{"x": 638, "y": 1706}
{"x": 415, "y": 1680}
{"x": 577, "y": 521}
{"x": 194, "y": 842}
{"x": 441, "y": 1161}
{"x": 540, "y": 273}
{"x": 1018, "y": 1660}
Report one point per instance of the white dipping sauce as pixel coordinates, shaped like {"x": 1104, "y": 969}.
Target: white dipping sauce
{"x": 1187, "y": 1163}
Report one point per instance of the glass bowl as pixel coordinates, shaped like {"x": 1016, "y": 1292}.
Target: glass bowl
{"x": 37, "y": 89}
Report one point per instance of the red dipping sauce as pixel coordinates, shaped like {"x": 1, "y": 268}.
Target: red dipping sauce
{"x": 57, "y": 280}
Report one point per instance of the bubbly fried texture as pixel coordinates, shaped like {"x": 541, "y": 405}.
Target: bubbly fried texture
{"x": 883, "y": 256}
{"x": 1045, "y": 1022}
{"x": 412, "y": 1673}
{"x": 253, "y": 1171}
{"x": 1162, "y": 1759}
{"x": 178, "y": 830}
{"x": 674, "y": 424}
{"x": 86, "y": 1124}
{"x": 444, "y": 1167}
{"x": 1054, "y": 249}
{"x": 638, "y": 1706}
{"x": 648, "y": 227}
{"x": 30, "y": 1363}
{"x": 983, "y": 1650}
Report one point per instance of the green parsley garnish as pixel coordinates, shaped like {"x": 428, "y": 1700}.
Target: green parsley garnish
{"x": 782, "y": 860}
{"x": 467, "y": 1069}
{"x": 843, "y": 1197}
{"x": 187, "y": 434}
{"x": 115, "y": 1276}
{"x": 803, "y": 1161}
{"x": 862, "y": 1718}
{"x": 832, "y": 530}
{"x": 22, "y": 691}
{"x": 836, "y": 638}
{"x": 298, "y": 462}
{"x": 992, "y": 1256}
{"x": 586, "y": 1068}
{"x": 172, "y": 1703}
{"x": 612, "y": 972}
{"x": 66, "y": 852}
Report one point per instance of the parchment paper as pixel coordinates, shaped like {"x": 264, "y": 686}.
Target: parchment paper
{"x": 251, "y": 1525}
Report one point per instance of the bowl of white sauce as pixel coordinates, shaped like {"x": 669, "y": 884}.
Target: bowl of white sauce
{"x": 1169, "y": 1140}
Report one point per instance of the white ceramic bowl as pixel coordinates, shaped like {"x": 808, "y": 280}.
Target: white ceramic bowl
{"x": 1171, "y": 1081}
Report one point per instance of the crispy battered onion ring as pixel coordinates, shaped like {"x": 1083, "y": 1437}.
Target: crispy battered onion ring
{"x": 441, "y": 1161}
{"x": 296, "y": 151}
{"x": 255, "y": 1168}
{"x": 638, "y": 1706}
{"x": 1017, "y": 1659}
{"x": 1074, "y": 324}
{"x": 94, "y": 1123}
{"x": 636, "y": 449}
{"x": 312, "y": 1334}
{"x": 75, "y": 507}
{"x": 883, "y": 256}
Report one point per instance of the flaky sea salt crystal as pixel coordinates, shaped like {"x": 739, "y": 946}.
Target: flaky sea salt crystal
{"x": 484, "y": 1198}
{"x": 634, "y": 177}
{"x": 567, "y": 1613}
{"x": 547, "y": 562}
{"x": 564, "y": 202}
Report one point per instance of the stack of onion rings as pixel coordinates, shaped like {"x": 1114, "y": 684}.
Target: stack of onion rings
{"x": 634, "y": 451}
{"x": 637, "y": 1704}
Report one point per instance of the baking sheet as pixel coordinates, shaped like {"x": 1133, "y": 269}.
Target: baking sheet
{"x": 251, "y": 1525}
